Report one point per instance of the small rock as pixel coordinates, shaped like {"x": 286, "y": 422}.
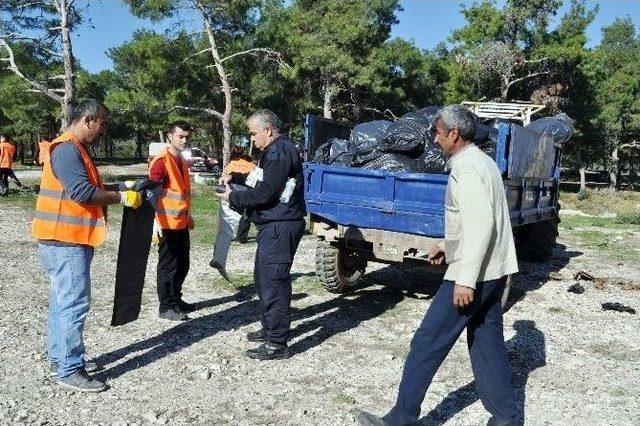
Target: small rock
{"x": 225, "y": 362}
{"x": 577, "y": 288}
{"x": 205, "y": 374}
{"x": 557, "y": 276}
{"x": 619, "y": 307}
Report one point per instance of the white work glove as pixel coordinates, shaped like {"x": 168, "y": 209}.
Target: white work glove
{"x": 156, "y": 235}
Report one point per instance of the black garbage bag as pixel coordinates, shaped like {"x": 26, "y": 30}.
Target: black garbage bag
{"x": 392, "y": 162}
{"x": 560, "y": 127}
{"x": 410, "y": 132}
{"x": 322, "y": 153}
{"x": 365, "y": 139}
{"x": 432, "y": 160}
{"x": 341, "y": 152}
{"x": 486, "y": 138}
{"x": 336, "y": 151}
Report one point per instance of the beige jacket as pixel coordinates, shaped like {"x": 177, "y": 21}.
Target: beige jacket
{"x": 478, "y": 239}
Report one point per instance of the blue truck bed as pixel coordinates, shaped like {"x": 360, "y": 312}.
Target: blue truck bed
{"x": 413, "y": 203}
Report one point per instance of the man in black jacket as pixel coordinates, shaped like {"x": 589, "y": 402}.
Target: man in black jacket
{"x": 274, "y": 202}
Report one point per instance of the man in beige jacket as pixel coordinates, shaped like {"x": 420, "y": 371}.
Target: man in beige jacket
{"x": 479, "y": 249}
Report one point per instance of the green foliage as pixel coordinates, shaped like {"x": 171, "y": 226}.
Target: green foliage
{"x": 338, "y": 56}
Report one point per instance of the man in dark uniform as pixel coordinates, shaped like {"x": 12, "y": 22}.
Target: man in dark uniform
{"x": 274, "y": 202}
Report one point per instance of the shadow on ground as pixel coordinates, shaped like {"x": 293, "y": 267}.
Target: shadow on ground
{"x": 318, "y": 322}
{"x": 527, "y": 352}
{"x": 533, "y": 276}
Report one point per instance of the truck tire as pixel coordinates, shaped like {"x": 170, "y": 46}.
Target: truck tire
{"x": 337, "y": 269}
{"x": 535, "y": 242}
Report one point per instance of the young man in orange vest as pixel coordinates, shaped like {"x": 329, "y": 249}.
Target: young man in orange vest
{"x": 7, "y": 155}
{"x": 69, "y": 222}
{"x": 173, "y": 222}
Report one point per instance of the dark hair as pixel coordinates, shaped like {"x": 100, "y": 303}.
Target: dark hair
{"x": 87, "y": 108}
{"x": 180, "y": 123}
{"x": 268, "y": 118}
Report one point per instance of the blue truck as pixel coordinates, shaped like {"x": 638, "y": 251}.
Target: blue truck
{"x": 361, "y": 215}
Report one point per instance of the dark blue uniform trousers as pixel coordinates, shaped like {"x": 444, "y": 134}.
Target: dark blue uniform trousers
{"x": 435, "y": 337}
{"x": 277, "y": 244}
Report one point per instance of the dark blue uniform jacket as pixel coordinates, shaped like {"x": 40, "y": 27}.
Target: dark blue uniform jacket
{"x": 279, "y": 161}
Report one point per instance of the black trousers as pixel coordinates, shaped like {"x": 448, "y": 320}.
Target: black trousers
{"x": 173, "y": 266}
{"x": 5, "y": 174}
{"x": 243, "y": 228}
{"x": 277, "y": 245}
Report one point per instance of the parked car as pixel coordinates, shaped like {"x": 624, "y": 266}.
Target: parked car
{"x": 199, "y": 161}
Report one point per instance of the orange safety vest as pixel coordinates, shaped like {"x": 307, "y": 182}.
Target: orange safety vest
{"x": 43, "y": 154}
{"x": 240, "y": 165}
{"x": 59, "y": 218}
{"x": 8, "y": 151}
{"x": 172, "y": 209}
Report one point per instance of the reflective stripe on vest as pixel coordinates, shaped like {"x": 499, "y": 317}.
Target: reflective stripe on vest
{"x": 172, "y": 209}
{"x": 57, "y": 195}
{"x": 57, "y": 216}
{"x": 73, "y": 220}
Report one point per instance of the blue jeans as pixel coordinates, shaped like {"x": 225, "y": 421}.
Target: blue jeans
{"x": 68, "y": 268}
{"x": 435, "y": 337}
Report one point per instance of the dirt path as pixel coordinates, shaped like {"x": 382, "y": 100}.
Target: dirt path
{"x": 572, "y": 362}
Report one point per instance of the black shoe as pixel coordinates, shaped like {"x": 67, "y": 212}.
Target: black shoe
{"x": 187, "y": 307}
{"x": 81, "y": 381}
{"x": 269, "y": 351}
{"x": 174, "y": 314}
{"x": 220, "y": 269}
{"x": 241, "y": 240}
{"x": 367, "y": 419}
{"x": 257, "y": 336}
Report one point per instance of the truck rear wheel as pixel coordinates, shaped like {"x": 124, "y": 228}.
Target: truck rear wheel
{"x": 338, "y": 269}
{"x": 535, "y": 242}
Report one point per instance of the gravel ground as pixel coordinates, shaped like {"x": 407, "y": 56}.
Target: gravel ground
{"x": 572, "y": 362}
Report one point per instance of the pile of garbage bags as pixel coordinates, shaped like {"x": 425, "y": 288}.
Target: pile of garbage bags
{"x": 407, "y": 144}
{"x": 404, "y": 145}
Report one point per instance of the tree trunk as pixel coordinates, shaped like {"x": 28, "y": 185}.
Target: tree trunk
{"x": 504, "y": 90}
{"x": 225, "y": 117}
{"x": 613, "y": 170}
{"x": 67, "y": 53}
{"x": 583, "y": 178}
{"x": 138, "y": 153}
{"x": 582, "y": 171}
{"x": 328, "y": 94}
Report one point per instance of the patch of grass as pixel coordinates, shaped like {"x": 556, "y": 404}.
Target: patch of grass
{"x": 556, "y": 310}
{"x": 308, "y": 284}
{"x": 628, "y": 219}
{"x": 603, "y": 242}
{"x": 204, "y": 209}
{"x": 23, "y": 198}
{"x": 598, "y": 202}
{"x": 344, "y": 399}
